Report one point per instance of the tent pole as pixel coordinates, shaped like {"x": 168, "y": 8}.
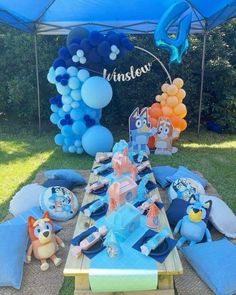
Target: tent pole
{"x": 202, "y": 81}
{"x": 37, "y": 80}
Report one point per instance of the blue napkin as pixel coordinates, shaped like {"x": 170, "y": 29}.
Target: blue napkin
{"x": 95, "y": 249}
{"x": 135, "y": 157}
{"x": 162, "y": 251}
{"x": 158, "y": 204}
{"x": 99, "y": 213}
{"x": 100, "y": 191}
{"x": 149, "y": 186}
{"x": 145, "y": 171}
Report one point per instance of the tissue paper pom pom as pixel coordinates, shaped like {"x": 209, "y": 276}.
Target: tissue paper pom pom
{"x": 76, "y": 94}
{"x": 58, "y": 63}
{"x": 63, "y": 90}
{"x": 83, "y": 75}
{"x": 72, "y": 71}
{"x": 95, "y": 38}
{"x": 79, "y": 128}
{"x": 66, "y": 99}
{"x": 77, "y": 114}
{"x": 104, "y": 48}
{"x": 60, "y": 71}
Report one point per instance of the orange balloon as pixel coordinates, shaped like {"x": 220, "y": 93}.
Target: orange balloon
{"x": 172, "y": 101}
{"x": 181, "y": 94}
{"x": 158, "y": 98}
{"x": 172, "y": 89}
{"x": 180, "y": 109}
{"x": 167, "y": 111}
{"x": 163, "y": 103}
{"x": 175, "y": 120}
{"x": 151, "y": 142}
{"x": 153, "y": 122}
{"x": 164, "y": 96}
{"x": 164, "y": 87}
{"x": 155, "y": 112}
{"x": 178, "y": 82}
{"x": 155, "y": 105}
{"x": 183, "y": 114}
{"x": 183, "y": 125}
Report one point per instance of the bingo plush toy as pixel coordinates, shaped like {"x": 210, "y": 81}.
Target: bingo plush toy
{"x": 44, "y": 242}
{"x": 192, "y": 226}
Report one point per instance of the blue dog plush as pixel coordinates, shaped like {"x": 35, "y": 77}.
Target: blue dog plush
{"x": 192, "y": 227}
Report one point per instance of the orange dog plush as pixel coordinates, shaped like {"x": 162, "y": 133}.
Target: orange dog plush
{"x": 44, "y": 242}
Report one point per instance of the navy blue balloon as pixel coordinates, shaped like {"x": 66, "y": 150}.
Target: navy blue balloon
{"x": 85, "y": 45}
{"x": 58, "y": 78}
{"x": 94, "y": 57}
{"x": 76, "y": 34}
{"x": 114, "y": 39}
{"x": 64, "y": 82}
{"x": 73, "y": 48}
{"x": 104, "y": 48}
{"x": 64, "y": 53}
{"x": 95, "y": 38}
{"x": 127, "y": 44}
{"x": 70, "y": 63}
{"x": 58, "y": 62}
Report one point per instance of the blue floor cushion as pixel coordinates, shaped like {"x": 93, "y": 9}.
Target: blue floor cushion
{"x": 215, "y": 263}
{"x": 13, "y": 245}
{"x": 66, "y": 174}
{"x": 184, "y": 172}
{"x": 59, "y": 182}
{"x": 161, "y": 172}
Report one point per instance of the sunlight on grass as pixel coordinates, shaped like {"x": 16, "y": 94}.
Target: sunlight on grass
{"x": 222, "y": 145}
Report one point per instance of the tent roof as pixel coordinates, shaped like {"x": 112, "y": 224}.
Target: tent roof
{"x": 128, "y": 16}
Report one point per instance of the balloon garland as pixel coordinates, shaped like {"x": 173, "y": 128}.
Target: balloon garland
{"x": 169, "y": 104}
{"x": 82, "y": 94}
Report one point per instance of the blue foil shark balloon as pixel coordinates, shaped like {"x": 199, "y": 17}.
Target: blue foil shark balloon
{"x": 178, "y": 45}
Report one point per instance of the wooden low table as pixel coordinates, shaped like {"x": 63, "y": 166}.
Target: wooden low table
{"x": 79, "y": 268}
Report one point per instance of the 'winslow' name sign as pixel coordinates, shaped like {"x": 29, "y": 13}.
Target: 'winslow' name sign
{"x": 130, "y": 75}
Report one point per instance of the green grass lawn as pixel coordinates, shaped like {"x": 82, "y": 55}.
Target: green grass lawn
{"x": 23, "y": 152}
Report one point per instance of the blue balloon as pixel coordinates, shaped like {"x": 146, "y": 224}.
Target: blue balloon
{"x": 59, "y": 139}
{"x": 76, "y": 34}
{"x": 79, "y": 150}
{"x": 65, "y": 148}
{"x": 69, "y": 140}
{"x": 66, "y": 108}
{"x": 54, "y": 118}
{"x": 113, "y": 39}
{"x": 97, "y": 139}
{"x": 73, "y": 48}
{"x": 51, "y": 76}
{"x": 95, "y": 38}
{"x": 96, "y": 92}
{"x": 83, "y": 75}
{"x": 64, "y": 53}
{"x": 60, "y": 71}
{"x": 178, "y": 45}
{"x": 61, "y": 113}
{"x": 74, "y": 83}
{"x": 66, "y": 131}
{"x": 79, "y": 128}
{"x": 66, "y": 99}
{"x": 54, "y": 108}
{"x": 77, "y": 114}
{"x": 85, "y": 45}
{"x": 104, "y": 48}
{"x": 72, "y": 149}
{"x": 94, "y": 57}
{"x": 72, "y": 71}
{"x": 63, "y": 90}
{"x": 58, "y": 63}
{"x": 78, "y": 143}
{"x": 76, "y": 94}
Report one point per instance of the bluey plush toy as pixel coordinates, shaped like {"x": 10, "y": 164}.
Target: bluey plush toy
{"x": 192, "y": 227}
{"x": 44, "y": 242}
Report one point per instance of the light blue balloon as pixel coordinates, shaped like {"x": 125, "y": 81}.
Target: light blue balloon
{"x": 65, "y": 148}
{"x": 76, "y": 94}
{"x": 59, "y": 124}
{"x": 72, "y": 149}
{"x": 63, "y": 90}
{"x": 66, "y": 130}
{"x": 59, "y": 139}
{"x": 78, "y": 143}
{"x": 60, "y": 71}
{"x": 77, "y": 114}
{"x": 79, "y": 128}
{"x": 79, "y": 150}
{"x": 74, "y": 83}
{"x": 54, "y": 108}
{"x": 61, "y": 113}
{"x": 66, "y": 108}
{"x": 92, "y": 113}
{"x": 66, "y": 99}
{"x": 83, "y": 75}
{"x": 97, "y": 139}
{"x": 72, "y": 71}
{"x": 51, "y": 76}
{"x": 75, "y": 104}
{"x": 54, "y": 118}
{"x": 69, "y": 140}
{"x": 96, "y": 92}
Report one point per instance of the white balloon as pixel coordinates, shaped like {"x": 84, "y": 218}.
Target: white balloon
{"x": 114, "y": 48}
{"x": 112, "y": 56}
{"x": 83, "y": 60}
{"x": 75, "y": 58}
{"x": 79, "y": 53}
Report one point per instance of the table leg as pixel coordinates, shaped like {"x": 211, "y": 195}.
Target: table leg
{"x": 82, "y": 285}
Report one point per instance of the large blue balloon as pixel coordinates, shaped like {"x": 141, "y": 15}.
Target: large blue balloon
{"x": 97, "y": 139}
{"x": 96, "y": 92}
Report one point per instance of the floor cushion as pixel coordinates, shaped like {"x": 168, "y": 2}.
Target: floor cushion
{"x": 215, "y": 263}
{"x": 59, "y": 182}
{"x": 66, "y": 174}
{"x": 221, "y": 216}
{"x": 176, "y": 211}
{"x": 183, "y": 172}
{"x": 26, "y": 198}
{"x": 60, "y": 202}
{"x": 184, "y": 188}
{"x": 161, "y": 172}
{"x": 13, "y": 245}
